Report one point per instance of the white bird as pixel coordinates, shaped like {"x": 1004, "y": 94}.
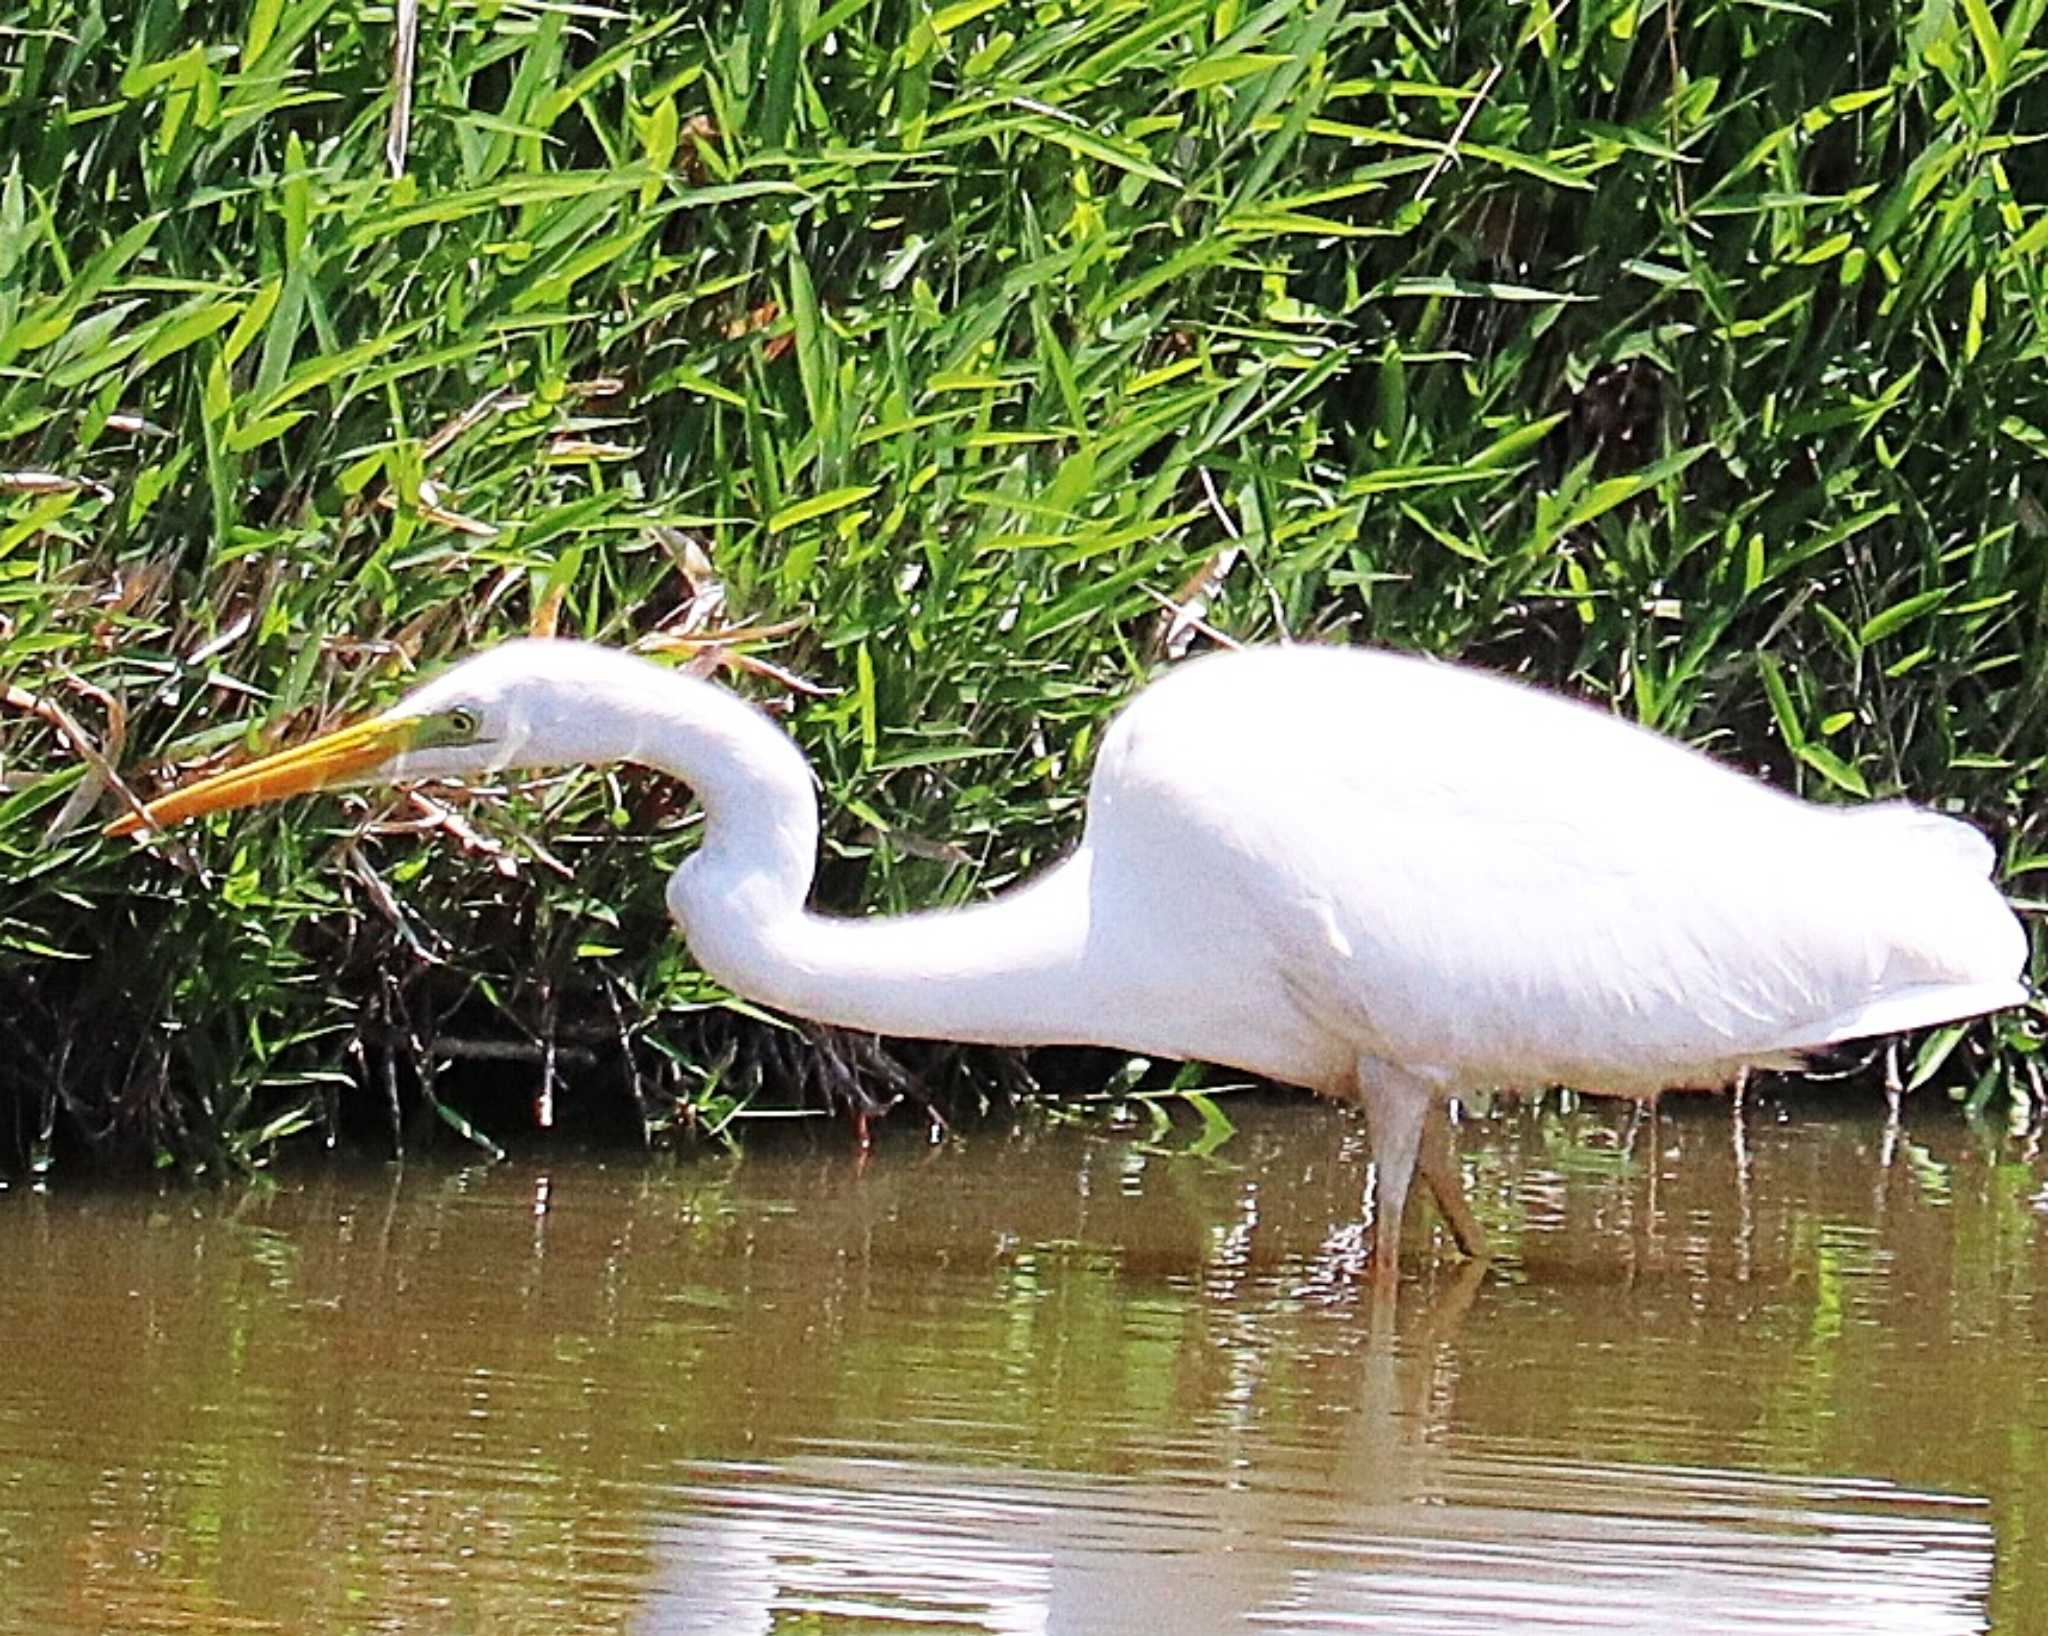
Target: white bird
{"x": 1389, "y": 879}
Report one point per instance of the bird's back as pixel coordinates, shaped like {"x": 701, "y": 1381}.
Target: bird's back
{"x": 1355, "y": 851}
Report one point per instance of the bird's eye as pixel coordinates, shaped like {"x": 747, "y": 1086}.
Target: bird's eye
{"x": 463, "y": 724}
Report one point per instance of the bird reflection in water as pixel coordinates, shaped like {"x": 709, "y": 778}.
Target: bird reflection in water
{"x": 1386, "y": 1528}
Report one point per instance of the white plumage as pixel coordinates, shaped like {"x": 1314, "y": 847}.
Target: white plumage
{"x": 1493, "y": 886}
{"x": 1388, "y": 879}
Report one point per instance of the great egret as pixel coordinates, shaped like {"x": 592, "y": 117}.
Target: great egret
{"x": 1389, "y": 879}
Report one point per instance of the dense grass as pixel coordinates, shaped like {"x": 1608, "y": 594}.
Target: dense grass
{"x": 1691, "y": 358}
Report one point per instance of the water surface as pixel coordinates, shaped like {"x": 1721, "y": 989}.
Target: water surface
{"x": 1050, "y": 1379}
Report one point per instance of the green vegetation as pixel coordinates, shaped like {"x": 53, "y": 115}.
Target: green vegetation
{"x": 1692, "y": 358}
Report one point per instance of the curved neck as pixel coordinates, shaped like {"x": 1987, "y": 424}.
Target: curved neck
{"x": 1010, "y": 972}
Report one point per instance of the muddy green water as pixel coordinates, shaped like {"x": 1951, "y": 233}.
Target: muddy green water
{"x": 1044, "y": 1380}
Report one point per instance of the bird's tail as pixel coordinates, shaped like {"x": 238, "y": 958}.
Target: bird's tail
{"x": 1948, "y": 944}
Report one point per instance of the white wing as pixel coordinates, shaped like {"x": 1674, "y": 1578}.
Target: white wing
{"x": 1491, "y": 885}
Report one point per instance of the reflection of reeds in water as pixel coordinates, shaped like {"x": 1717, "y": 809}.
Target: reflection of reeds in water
{"x": 1051, "y": 1381}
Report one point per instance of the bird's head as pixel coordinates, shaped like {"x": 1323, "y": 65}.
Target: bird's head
{"x": 523, "y": 704}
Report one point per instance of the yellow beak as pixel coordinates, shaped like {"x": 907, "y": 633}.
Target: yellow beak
{"x": 333, "y": 758}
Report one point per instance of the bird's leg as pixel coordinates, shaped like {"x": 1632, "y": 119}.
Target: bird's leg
{"x": 1396, "y": 1111}
{"x": 1439, "y": 1166}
